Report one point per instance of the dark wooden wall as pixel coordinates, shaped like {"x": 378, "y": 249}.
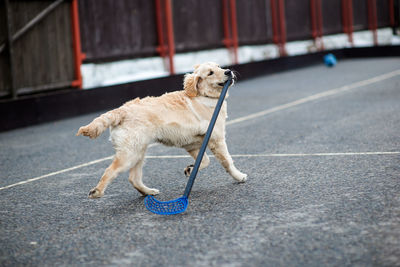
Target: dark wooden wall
{"x": 331, "y": 16}
{"x": 197, "y": 24}
{"x": 112, "y": 30}
{"x": 254, "y": 22}
{"x": 126, "y": 29}
{"x": 298, "y": 19}
{"x": 360, "y": 13}
{"x": 382, "y": 10}
{"x": 42, "y": 57}
{"x": 4, "y": 63}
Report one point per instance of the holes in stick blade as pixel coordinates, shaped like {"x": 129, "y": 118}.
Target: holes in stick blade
{"x": 166, "y": 207}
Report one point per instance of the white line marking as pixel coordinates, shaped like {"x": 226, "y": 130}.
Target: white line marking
{"x": 284, "y": 155}
{"x": 318, "y": 154}
{"x": 57, "y": 172}
{"x": 168, "y": 157}
{"x": 317, "y": 96}
{"x": 253, "y": 116}
{"x": 211, "y": 156}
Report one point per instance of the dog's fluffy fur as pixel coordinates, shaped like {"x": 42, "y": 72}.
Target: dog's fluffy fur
{"x": 177, "y": 119}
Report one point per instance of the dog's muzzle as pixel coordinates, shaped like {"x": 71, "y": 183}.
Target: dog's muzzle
{"x": 228, "y": 73}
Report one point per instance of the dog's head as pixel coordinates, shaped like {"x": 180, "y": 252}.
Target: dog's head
{"x": 207, "y": 80}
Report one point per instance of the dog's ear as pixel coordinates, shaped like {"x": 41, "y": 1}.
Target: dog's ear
{"x": 190, "y": 84}
{"x": 196, "y": 66}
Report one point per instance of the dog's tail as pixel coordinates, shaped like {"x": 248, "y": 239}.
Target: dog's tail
{"x": 101, "y": 123}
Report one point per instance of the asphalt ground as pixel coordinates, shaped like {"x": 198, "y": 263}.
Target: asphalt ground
{"x": 321, "y": 147}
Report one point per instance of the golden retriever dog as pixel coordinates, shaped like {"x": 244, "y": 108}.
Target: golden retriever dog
{"x": 177, "y": 119}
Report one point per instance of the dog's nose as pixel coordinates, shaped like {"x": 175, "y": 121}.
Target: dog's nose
{"x": 228, "y": 72}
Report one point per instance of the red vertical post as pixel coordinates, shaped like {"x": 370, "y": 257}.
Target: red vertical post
{"x": 320, "y": 23}
{"x": 375, "y": 23}
{"x": 170, "y": 32}
{"x": 76, "y": 37}
{"x": 316, "y": 23}
{"x": 350, "y": 20}
{"x": 161, "y": 49}
{"x": 235, "y": 39}
{"x": 313, "y": 20}
{"x": 230, "y": 28}
{"x": 164, "y": 22}
{"x": 279, "y": 25}
{"x": 344, "y": 17}
{"x": 373, "y": 20}
{"x": 275, "y": 31}
{"x": 282, "y": 27}
{"x": 225, "y": 15}
{"x": 391, "y": 13}
{"x": 347, "y": 19}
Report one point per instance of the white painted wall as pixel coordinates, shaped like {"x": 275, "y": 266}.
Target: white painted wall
{"x": 124, "y": 71}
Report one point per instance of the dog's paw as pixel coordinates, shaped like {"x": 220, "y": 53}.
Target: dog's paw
{"x": 95, "y": 193}
{"x": 240, "y": 177}
{"x": 188, "y": 170}
{"x": 152, "y": 191}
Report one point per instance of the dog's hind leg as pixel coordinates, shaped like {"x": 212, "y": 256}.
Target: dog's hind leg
{"x": 120, "y": 164}
{"x": 204, "y": 162}
{"x": 135, "y": 178}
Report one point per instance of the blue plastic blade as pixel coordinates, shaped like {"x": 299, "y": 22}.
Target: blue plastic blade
{"x": 171, "y": 207}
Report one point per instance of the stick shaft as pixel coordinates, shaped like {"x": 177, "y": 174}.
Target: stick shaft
{"x": 203, "y": 148}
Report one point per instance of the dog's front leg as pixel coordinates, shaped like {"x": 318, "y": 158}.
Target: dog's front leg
{"x": 220, "y": 150}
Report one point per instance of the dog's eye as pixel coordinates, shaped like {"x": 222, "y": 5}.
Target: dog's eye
{"x": 211, "y": 73}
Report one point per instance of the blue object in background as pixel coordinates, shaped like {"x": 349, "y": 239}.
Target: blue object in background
{"x": 330, "y": 60}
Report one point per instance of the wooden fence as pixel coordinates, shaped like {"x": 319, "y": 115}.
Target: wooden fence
{"x": 42, "y": 43}
{"x": 35, "y": 46}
